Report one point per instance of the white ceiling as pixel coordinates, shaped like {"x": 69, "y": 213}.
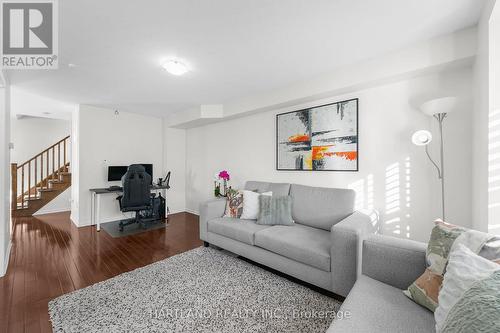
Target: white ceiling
{"x": 235, "y": 48}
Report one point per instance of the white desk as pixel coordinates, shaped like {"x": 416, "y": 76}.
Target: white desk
{"x": 95, "y": 202}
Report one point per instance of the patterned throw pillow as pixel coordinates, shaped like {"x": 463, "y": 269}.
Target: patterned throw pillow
{"x": 275, "y": 210}
{"x": 234, "y": 204}
{"x": 438, "y": 249}
{"x": 425, "y": 289}
{"x": 444, "y": 237}
{"x": 469, "y": 300}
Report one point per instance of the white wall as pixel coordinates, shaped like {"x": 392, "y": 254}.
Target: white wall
{"x": 104, "y": 139}
{"x": 175, "y": 161}
{"x": 387, "y": 117}
{"x": 481, "y": 195}
{"x": 32, "y": 135}
{"x": 75, "y": 166}
{"x": 4, "y": 178}
{"x": 61, "y": 203}
{"x": 28, "y": 103}
{"x": 494, "y": 124}
{"x": 446, "y": 51}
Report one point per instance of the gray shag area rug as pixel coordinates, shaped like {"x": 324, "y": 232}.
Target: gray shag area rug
{"x": 202, "y": 290}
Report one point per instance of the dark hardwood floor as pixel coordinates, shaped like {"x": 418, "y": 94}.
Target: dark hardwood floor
{"x": 51, "y": 257}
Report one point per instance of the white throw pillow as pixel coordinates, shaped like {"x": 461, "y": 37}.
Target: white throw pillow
{"x": 251, "y": 206}
{"x": 464, "y": 271}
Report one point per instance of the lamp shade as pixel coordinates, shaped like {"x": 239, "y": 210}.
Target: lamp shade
{"x": 439, "y": 105}
{"x": 421, "y": 138}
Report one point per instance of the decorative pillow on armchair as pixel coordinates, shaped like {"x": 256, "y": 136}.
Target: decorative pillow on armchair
{"x": 234, "y": 204}
{"x": 469, "y": 300}
{"x": 425, "y": 289}
{"x": 444, "y": 238}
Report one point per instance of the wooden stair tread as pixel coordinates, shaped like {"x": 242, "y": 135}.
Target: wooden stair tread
{"x": 33, "y": 198}
{"x": 46, "y": 190}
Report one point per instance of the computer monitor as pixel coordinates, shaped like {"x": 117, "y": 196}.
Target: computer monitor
{"x": 116, "y": 172}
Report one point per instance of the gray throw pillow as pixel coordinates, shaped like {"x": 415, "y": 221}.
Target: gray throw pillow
{"x": 275, "y": 210}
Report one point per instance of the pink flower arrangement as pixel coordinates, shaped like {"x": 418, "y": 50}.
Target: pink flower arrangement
{"x": 224, "y": 175}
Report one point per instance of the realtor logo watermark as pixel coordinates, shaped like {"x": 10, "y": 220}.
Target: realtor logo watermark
{"x": 29, "y": 34}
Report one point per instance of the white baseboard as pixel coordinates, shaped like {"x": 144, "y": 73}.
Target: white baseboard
{"x": 121, "y": 217}
{"x": 192, "y": 211}
{"x": 5, "y": 264}
{"x": 52, "y": 211}
{"x": 74, "y": 218}
{"x": 105, "y": 220}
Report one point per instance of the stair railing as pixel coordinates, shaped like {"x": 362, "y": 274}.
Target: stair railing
{"x": 34, "y": 174}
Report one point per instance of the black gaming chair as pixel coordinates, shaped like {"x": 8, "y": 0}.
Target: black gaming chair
{"x": 136, "y": 196}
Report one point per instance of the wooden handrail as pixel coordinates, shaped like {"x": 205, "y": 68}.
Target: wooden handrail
{"x": 36, "y": 176}
{"x": 13, "y": 174}
{"x": 44, "y": 151}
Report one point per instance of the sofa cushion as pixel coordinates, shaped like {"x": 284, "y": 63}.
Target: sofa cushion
{"x": 307, "y": 245}
{"x": 321, "y": 207}
{"x": 376, "y": 307}
{"x": 237, "y": 229}
{"x": 279, "y": 189}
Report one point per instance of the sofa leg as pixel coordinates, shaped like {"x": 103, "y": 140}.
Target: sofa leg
{"x": 206, "y": 244}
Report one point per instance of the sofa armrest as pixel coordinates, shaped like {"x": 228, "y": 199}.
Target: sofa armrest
{"x": 347, "y": 239}
{"x": 397, "y": 262}
{"x": 210, "y": 210}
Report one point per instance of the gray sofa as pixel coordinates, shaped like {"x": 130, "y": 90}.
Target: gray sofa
{"x": 376, "y": 303}
{"x": 322, "y": 248}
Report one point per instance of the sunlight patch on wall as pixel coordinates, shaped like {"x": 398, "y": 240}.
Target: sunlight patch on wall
{"x": 394, "y": 224}
{"x": 407, "y": 193}
{"x": 494, "y": 171}
{"x": 369, "y": 192}
{"x": 392, "y": 191}
{"x": 398, "y": 199}
{"x": 494, "y": 229}
{"x": 364, "y": 189}
{"x": 394, "y": 198}
{"x": 358, "y": 187}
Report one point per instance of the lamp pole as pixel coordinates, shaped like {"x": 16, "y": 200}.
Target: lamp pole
{"x": 438, "y": 108}
{"x": 440, "y": 169}
{"x": 440, "y": 118}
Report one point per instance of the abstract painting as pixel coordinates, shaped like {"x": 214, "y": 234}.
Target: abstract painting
{"x": 322, "y": 138}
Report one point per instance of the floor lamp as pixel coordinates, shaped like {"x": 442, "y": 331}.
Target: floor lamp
{"x": 438, "y": 109}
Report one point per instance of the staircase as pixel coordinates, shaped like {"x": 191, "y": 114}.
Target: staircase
{"x": 39, "y": 180}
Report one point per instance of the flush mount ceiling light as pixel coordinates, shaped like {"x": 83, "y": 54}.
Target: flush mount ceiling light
{"x": 175, "y": 67}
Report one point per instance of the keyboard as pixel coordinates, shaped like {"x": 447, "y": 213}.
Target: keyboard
{"x": 115, "y": 188}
